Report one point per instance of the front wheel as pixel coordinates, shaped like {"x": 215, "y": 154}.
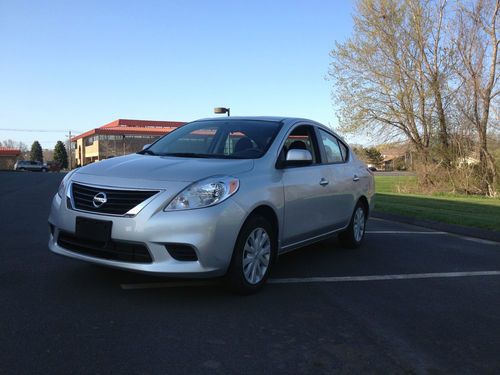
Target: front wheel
{"x": 253, "y": 256}
{"x": 353, "y": 236}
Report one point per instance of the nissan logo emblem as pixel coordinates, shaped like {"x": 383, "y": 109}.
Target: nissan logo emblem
{"x": 99, "y": 199}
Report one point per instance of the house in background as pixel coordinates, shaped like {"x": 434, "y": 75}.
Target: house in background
{"x": 8, "y": 157}
{"x": 398, "y": 162}
{"x": 120, "y": 137}
{"x": 397, "y": 157}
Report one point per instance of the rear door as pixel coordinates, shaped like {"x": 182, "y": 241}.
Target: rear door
{"x": 33, "y": 166}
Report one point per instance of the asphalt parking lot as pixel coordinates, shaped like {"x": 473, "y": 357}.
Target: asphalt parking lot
{"x": 409, "y": 301}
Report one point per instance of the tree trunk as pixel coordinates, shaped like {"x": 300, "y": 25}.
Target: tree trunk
{"x": 443, "y": 128}
{"x": 487, "y": 167}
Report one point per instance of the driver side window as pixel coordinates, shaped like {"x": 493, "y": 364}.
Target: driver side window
{"x": 302, "y": 138}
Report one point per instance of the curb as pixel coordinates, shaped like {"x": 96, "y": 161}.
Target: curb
{"x": 445, "y": 227}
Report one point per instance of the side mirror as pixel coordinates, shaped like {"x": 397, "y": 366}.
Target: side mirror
{"x": 146, "y": 146}
{"x": 298, "y": 157}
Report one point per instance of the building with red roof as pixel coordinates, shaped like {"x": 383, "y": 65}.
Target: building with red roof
{"x": 8, "y": 157}
{"x": 119, "y": 137}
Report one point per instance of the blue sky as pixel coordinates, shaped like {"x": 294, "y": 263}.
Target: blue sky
{"x": 77, "y": 65}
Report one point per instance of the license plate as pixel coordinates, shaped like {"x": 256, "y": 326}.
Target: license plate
{"x": 94, "y": 230}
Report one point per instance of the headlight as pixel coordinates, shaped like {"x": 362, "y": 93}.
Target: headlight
{"x": 64, "y": 183}
{"x": 205, "y": 193}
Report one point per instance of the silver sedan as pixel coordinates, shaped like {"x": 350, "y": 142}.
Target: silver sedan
{"x": 216, "y": 197}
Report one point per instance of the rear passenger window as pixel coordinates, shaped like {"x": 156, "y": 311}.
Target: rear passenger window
{"x": 332, "y": 148}
{"x": 344, "y": 150}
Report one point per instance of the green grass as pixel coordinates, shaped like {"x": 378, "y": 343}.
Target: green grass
{"x": 473, "y": 211}
{"x": 393, "y": 184}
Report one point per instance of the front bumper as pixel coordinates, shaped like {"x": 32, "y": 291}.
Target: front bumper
{"x": 211, "y": 232}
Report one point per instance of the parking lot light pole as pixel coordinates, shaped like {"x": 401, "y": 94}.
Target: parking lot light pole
{"x": 70, "y": 151}
{"x": 219, "y": 110}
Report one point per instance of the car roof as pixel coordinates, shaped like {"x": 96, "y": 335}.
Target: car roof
{"x": 263, "y": 118}
{"x": 250, "y": 118}
{"x": 283, "y": 119}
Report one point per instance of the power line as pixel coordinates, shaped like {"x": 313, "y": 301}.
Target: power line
{"x": 37, "y": 130}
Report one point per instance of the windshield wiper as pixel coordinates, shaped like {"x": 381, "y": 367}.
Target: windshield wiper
{"x": 147, "y": 152}
{"x": 204, "y": 156}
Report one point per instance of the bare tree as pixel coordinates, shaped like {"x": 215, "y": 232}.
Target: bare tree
{"x": 477, "y": 44}
{"x": 390, "y": 78}
{"x": 14, "y": 144}
{"x": 434, "y": 61}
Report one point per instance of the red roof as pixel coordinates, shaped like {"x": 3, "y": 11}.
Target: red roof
{"x": 138, "y": 127}
{"x": 8, "y": 151}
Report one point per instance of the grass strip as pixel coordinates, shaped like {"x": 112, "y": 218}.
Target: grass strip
{"x": 473, "y": 211}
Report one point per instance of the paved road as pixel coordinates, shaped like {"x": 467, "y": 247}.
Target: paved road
{"x": 59, "y": 315}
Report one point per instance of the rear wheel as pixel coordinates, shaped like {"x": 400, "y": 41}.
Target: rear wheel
{"x": 253, "y": 256}
{"x": 353, "y": 236}
{"x": 44, "y": 170}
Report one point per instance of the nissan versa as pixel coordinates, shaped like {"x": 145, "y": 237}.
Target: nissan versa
{"x": 215, "y": 197}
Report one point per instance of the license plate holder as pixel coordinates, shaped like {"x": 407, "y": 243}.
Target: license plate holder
{"x": 94, "y": 230}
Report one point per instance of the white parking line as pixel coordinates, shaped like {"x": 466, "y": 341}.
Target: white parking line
{"x": 473, "y": 239}
{"x": 294, "y": 280}
{"x": 402, "y": 232}
{"x": 305, "y": 280}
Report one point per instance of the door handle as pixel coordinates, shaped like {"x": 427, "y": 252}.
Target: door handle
{"x": 324, "y": 182}
{"x": 355, "y": 178}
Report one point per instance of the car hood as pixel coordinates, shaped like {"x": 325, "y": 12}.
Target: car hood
{"x": 165, "y": 168}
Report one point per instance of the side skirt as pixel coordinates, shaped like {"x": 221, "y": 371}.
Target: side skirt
{"x": 309, "y": 241}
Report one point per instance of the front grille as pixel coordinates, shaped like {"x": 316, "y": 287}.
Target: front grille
{"x": 119, "y": 202}
{"x": 113, "y": 250}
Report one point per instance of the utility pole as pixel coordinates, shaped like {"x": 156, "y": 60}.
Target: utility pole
{"x": 70, "y": 152}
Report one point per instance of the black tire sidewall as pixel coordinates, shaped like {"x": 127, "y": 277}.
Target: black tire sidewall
{"x": 347, "y": 237}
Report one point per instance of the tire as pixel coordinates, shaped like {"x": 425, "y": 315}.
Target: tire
{"x": 353, "y": 236}
{"x": 250, "y": 278}
{"x": 44, "y": 170}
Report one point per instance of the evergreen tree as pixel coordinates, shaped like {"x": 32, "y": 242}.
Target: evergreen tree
{"x": 60, "y": 155}
{"x": 36, "y": 153}
{"x": 374, "y": 156}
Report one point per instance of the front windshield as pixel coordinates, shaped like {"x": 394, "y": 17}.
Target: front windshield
{"x": 231, "y": 139}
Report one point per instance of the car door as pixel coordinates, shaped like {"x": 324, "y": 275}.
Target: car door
{"x": 32, "y": 166}
{"x": 307, "y": 208}
{"x": 341, "y": 178}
